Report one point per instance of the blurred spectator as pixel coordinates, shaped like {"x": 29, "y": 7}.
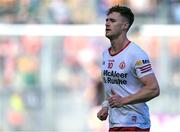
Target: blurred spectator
{"x": 144, "y": 7}
{"x": 15, "y": 112}
{"x": 8, "y": 54}
{"x": 102, "y": 6}
{"x": 99, "y": 94}
{"x": 28, "y": 11}
{"x": 176, "y": 12}
{"x": 77, "y": 11}
{"x": 82, "y": 11}
{"x": 8, "y": 8}
{"x": 59, "y": 12}
{"x": 31, "y": 44}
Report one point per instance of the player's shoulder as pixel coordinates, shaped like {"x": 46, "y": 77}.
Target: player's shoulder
{"x": 134, "y": 46}
{"x": 136, "y": 50}
{"x": 106, "y": 51}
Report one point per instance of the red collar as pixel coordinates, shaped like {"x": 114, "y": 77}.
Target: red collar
{"x": 119, "y": 50}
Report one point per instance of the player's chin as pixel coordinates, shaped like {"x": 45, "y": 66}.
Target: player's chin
{"x": 108, "y": 36}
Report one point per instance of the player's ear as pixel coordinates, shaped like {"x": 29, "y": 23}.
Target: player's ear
{"x": 126, "y": 25}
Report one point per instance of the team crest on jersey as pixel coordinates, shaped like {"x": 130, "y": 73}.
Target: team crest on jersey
{"x": 122, "y": 65}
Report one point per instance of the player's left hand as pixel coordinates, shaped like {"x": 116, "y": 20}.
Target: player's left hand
{"x": 115, "y": 100}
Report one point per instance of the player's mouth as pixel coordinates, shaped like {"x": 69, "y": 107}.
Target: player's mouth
{"x": 108, "y": 29}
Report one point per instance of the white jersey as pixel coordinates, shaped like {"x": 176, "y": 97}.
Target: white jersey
{"x": 120, "y": 72}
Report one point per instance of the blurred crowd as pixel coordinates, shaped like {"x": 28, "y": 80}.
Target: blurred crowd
{"x": 84, "y": 12}
{"x": 47, "y": 83}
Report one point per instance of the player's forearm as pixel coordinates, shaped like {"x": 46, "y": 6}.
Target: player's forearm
{"x": 145, "y": 94}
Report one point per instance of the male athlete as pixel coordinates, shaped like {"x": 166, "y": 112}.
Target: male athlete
{"x": 128, "y": 77}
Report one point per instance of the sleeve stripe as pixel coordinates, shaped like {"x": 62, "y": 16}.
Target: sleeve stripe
{"x": 144, "y": 66}
{"x": 146, "y": 70}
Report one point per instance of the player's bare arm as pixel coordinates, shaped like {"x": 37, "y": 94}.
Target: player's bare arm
{"x": 149, "y": 91}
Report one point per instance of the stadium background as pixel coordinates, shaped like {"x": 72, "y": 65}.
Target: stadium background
{"x": 52, "y": 83}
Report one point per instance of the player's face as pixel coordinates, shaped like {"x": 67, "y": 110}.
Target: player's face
{"x": 115, "y": 25}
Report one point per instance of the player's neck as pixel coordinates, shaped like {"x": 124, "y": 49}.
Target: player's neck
{"x": 118, "y": 44}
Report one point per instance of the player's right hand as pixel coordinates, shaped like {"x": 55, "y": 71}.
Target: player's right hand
{"x": 103, "y": 113}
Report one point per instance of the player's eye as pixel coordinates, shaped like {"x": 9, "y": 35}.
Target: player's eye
{"x": 112, "y": 20}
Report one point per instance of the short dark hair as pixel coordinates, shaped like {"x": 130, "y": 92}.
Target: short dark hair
{"x": 124, "y": 11}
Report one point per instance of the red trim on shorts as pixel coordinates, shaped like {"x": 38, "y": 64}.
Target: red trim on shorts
{"x": 128, "y": 129}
